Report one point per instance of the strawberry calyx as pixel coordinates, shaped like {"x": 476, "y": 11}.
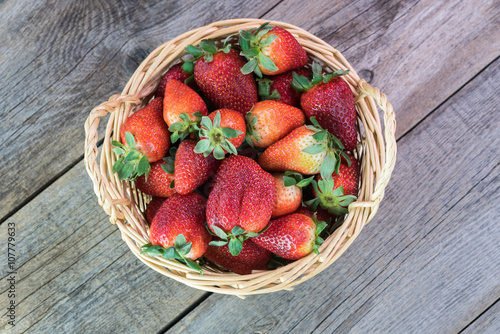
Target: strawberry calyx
{"x": 264, "y": 90}
{"x": 251, "y": 121}
{"x": 215, "y": 139}
{"x": 178, "y": 252}
{"x": 180, "y": 130}
{"x": 254, "y": 49}
{"x": 327, "y": 142}
{"x": 329, "y": 198}
{"x": 318, "y": 241}
{"x": 301, "y": 83}
{"x": 233, "y": 239}
{"x": 207, "y": 48}
{"x": 293, "y": 178}
{"x": 132, "y": 163}
{"x": 169, "y": 165}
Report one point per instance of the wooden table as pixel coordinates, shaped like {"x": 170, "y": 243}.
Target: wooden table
{"x": 428, "y": 263}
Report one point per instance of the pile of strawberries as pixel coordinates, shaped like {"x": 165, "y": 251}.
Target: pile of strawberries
{"x": 246, "y": 151}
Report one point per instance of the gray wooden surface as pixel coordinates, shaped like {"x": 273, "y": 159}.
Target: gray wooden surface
{"x": 428, "y": 262}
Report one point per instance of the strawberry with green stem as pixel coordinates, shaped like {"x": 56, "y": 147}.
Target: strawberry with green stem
{"x": 339, "y": 189}
{"x": 144, "y": 139}
{"x": 271, "y": 50}
{"x": 330, "y": 100}
{"x": 218, "y": 74}
{"x": 292, "y": 237}
{"x": 221, "y": 132}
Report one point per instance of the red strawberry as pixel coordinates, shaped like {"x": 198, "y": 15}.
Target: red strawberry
{"x": 242, "y": 200}
{"x": 291, "y": 237}
{"x": 279, "y": 88}
{"x": 251, "y": 257}
{"x": 330, "y": 100}
{"x": 158, "y": 183}
{"x": 337, "y": 192}
{"x": 271, "y": 50}
{"x": 269, "y": 121}
{"x": 221, "y": 132}
{"x": 288, "y": 198}
{"x": 144, "y": 138}
{"x": 153, "y": 208}
{"x": 218, "y": 75}
{"x": 192, "y": 169}
{"x": 181, "y": 215}
{"x": 182, "y": 109}
{"x": 178, "y": 73}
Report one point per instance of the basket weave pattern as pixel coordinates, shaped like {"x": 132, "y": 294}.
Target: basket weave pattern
{"x": 125, "y": 204}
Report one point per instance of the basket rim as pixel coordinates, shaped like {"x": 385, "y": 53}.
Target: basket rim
{"x": 125, "y": 204}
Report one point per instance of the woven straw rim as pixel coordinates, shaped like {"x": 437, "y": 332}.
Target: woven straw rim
{"x": 125, "y": 204}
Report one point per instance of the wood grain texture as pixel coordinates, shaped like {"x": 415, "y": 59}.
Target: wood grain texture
{"x": 428, "y": 263}
{"x": 75, "y": 273}
{"x": 418, "y": 52}
{"x": 59, "y": 59}
{"x": 487, "y": 323}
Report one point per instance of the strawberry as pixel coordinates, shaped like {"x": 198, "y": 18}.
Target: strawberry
{"x": 153, "y": 208}
{"x": 182, "y": 108}
{"x": 308, "y": 150}
{"x": 178, "y": 73}
{"x": 217, "y": 73}
{"x": 269, "y": 121}
{"x": 271, "y": 50}
{"x": 336, "y": 192}
{"x": 158, "y": 183}
{"x": 330, "y": 100}
{"x": 279, "y": 88}
{"x": 144, "y": 138}
{"x": 241, "y": 202}
{"x": 292, "y": 237}
{"x": 221, "y": 132}
{"x": 192, "y": 169}
{"x": 251, "y": 257}
{"x": 288, "y": 192}
{"x": 178, "y": 230}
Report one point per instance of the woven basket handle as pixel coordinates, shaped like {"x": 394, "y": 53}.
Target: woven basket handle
{"x": 90, "y": 154}
{"x": 365, "y": 90}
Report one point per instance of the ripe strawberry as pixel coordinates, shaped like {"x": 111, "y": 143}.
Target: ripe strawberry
{"x": 308, "y": 150}
{"x": 338, "y": 191}
{"x": 292, "y": 237}
{"x": 279, "y": 88}
{"x": 182, "y": 108}
{"x": 241, "y": 202}
{"x": 269, "y": 121}
{"x": 178, "y": 73}
{"x": 288, "y": 197}
{"x": 153, "y": 208}
{"x": 221, "y": 132}
{"x": 251, "y": 257}
{"x": 271, "y": 50}
{"x": 192, "y": 169}
{"x": 218, "y": 75}
{"x": 158, "y": 183}
{"x": 182, "y": 215}
{"x": 330, "y": 100}
{"x": 144, "y": 138}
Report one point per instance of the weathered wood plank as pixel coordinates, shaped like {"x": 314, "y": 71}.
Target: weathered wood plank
{"x": 76, "y": 275}
{"x": 428, "y": 263}
{"x": 487, "y": 323}
{"x": 418, "y": 52}
{"x": 60, "y": 59}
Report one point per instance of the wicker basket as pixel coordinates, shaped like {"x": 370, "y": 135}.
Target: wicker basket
{"x": 125, "y": 204}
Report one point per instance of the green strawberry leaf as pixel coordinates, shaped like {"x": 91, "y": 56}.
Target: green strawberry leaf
{"x": 218, "y": 243}
{"x": 130, "y": 139}
{"x": 117, "y": 143}
{"x": 235, "y": 246}
{"x": 250, "y": 67}
{"x": 289, "y": 181}
{"x": 237, "y": 230}
{"x": 172, "y": 184}
{"x": 267, "y": 63}
{"x": 132, "y": 155}
{"x": 202, "y": 146}
{"x": 208, "y": 46}
{"x": 193, "y": 265}
{"x": 170, "y": 253}
{"x": 143, "y": 167}
{"x": 269, "y": 39}
{"x": 196, "y": 52}
{"x": 118, "y": 151}
{"x": 180, "y": 241}
{"x": 206, "y": 122}
{"x": 246, "y": 35}
{"x": 328, "y": 166}
{"x": 185, "y": 249}
{"x": 230, "y": 132}
{"x": 188, "y": 67}
{"x": 168, "y": 167}
{"x": 126, "y": 171}
{"x": 320, "y": 136}
{"x": 315, "y": 149}
{"x": 216, "y": 121}
{"x": 219, "y": 152}
{"x": 118, "y": 165}
{"x": 305, "y": 182}
{"x": 219, "y": 232}
{"x": 152, "y": 250}
{"x": 251, "y": 52}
